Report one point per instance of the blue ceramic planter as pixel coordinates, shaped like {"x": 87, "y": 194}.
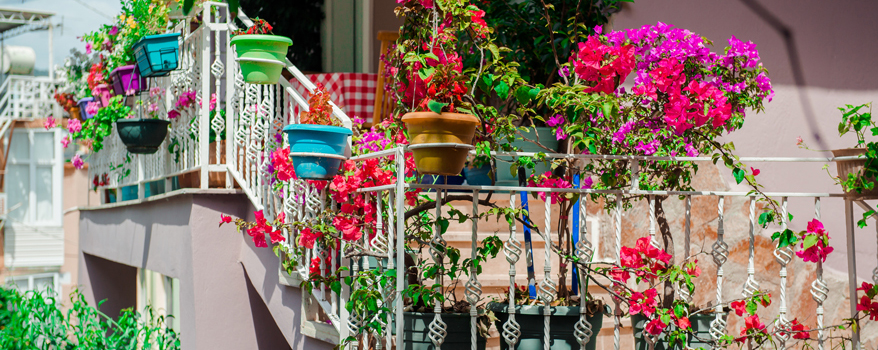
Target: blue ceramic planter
{"x": 325, "y": 139}
{"x": 157, "y": 55}
{"x": 480, "y": 176}
{"x": 82, "y": 104}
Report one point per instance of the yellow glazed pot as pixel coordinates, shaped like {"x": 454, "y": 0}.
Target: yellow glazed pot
{"x": 451, "y": 133}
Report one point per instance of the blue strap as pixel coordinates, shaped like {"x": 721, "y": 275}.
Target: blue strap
{"x": 528, "y": 242}
{"x": 575, "y": 233}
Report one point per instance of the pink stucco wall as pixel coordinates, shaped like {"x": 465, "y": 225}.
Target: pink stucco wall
{"x": 834, "y": 41}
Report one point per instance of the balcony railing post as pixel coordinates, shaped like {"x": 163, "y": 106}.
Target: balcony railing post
{"x": 852, "y": 270}
{"x": 204, "y": 111}
{"x": 400, "y": 241}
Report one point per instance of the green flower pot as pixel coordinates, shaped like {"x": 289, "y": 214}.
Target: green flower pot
{"x": 700, "y": 326}
{"x": 561, "y": 326}
{"x": 546, "y": 137}
{"x": 261, "y": 56}
{"x": 142, "y": 136}
{"x": 416, "y": 331}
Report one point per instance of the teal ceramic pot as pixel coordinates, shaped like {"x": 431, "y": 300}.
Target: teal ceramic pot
{"x": 157, "y": 55}
{"x": 546, "y": 137}
{"x": 317, "y": 139}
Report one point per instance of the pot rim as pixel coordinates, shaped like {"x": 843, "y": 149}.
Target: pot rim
{"x": 538, "y": 309}
{"x": 319, "y": 128}
{"x": 148, "y": 121}
{"x": 261, "y": 37}
{"x": 427, "y": 115}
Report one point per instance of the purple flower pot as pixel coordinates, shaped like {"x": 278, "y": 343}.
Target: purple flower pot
{"x": 127, "y": 80}
{"x": 83, "y": 105}
{"x": 102, "y": 93}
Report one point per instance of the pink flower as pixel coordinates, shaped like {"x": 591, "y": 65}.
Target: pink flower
{"x": 799, "y": 141}
{"x": 74, "y": 126}
{"x": 644, "y": 303}
{"x": 753, "y": 326}
{"x": 258, "y": 231}
{"x": 92, "y": 107}
{"x": 799, "y": 328}
{"x": 555, "y": 120}
{"x": 49, "y": 123}
{"x": 114, "y": 30}
{"x": 349, "y": 228}
{"x": 307, "y": 237}
{"x": 212, "y": 103}
{"x": 225, "y": 219}
{"x": 314, "y": 268}
{"x": 87, "y": 48}
{"x": 740, "y": 307}
{"x": 755, "y": 171}
{"x": 173, "y": 114}
{"x": 280, "y": 161}
{"x": 65, "y": 141}
{"x": 152, "y": 108}
{"x": 77, "y": 162}
{"x": 655, "y": 327}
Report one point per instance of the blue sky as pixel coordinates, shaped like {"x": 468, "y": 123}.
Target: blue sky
{"x": 75, "y": 18}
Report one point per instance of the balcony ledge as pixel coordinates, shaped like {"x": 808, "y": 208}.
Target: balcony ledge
{"x": 158, "y": 197}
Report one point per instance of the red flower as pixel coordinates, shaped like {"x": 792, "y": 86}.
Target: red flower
{"x": 643, "y": 303}
{"x": 258, "y": 232}
{"x": 752, "y": 326}
{"x": 655, "y": 327}
{"x": 740, "y": 307}
{"x": 755, "y": 171}
{"x": 315, "y": 266}
{"x": 225, "y": 219}
{"x": 799, "y": 328}
{"x": 308, "y": 237}
{"x": 620, "y": 275}
{"x": 683, "y": 323}
{"x": 869, "y": 307}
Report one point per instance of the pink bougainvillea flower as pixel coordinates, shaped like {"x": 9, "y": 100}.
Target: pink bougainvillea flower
{"x": 644, "y": 303}
{"x": 815, "y": 252}
{"x": 88, "y": 48}
{"x": 740, "y": 307}
{"x": 869, "y": 307}
{"x": 225, "y": 219}
{"x": 799, "y": 141}
{"x": 683, "y": 323}
{"x": 283, "y": 166}
{"x": 262, "y": 227}
{"x": 349, "y": 228}
{"x": 752, "y": 326}
{"x": 65, "y": 141}
{"x": 114, "y": 30}
{"x": 74, "y": 126}
{"x": 655, "y": 327}
{"x": 798, "y": 330}
{"x": 49, "y": 123}
{"x": 173, "y": 114}
{"x": 92, "y": 107}
{"x": 77, "y": 162}
{"x": 755, "y": 171}
{"x": 314, "y": 268}
{"x": 307, "y": 237}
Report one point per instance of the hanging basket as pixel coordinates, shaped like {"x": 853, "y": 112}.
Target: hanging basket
{"x": 127, "y": 80}
{"x": 157, "y": 55}
{"x": 83, "y": 107}
{"x": 262, "y": 57}
{"x": 440, "y": 142}
{"x": 142, "y": 136}
{"x": 856, "y": 167}
{"x": 318, "y": 151}
{"x": 562, "y": 325}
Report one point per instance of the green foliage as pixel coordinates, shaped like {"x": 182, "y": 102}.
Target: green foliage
{"x": 853, "y": 120}
{"x": 31, "y": 321}
{"x": 101, "y": 125}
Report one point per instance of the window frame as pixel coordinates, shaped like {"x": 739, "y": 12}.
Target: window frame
{"x": 57, "y": 169}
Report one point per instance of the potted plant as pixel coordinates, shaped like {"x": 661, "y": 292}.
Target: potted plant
{"x": 95, "y": 129}
{"x": 318, "y": 142}
{"x": 157, "y": 55}
{"x": 262, "y": 56}
{"x": 857, "y": 176}
{"x": 127, "y": 80}
{"x": 144, "y": 136}
{"x": 433, "y": 85}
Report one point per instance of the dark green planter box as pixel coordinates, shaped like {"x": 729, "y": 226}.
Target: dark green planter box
{"x": 700, "y": 326}
{"x": 142, "y": 136}
{"x": 416, "y": 330}
{"x": 561, "y": 326}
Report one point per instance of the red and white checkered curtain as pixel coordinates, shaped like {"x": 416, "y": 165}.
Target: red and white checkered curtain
{"x": 354, "y": 93}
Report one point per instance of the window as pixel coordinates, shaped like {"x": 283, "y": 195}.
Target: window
{"x": 162, "y": 293}
{"x": 34, "y": 174}
{"x": 33, "y": 177}
{"x": 47, "y": 283}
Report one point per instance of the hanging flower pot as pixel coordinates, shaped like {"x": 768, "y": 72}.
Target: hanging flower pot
{"x": 127, "y": 80}
{"x": 261, "y": 56}
{"x": 102, "y": 94}
{"x": 142, "y": 136}
{"x": 562, "y": 325}
{"x": 855, "y": 167}
{"x": 440, "y": 142}
{"x": 83, "y": 108}
{"x": 416, "y": 331}
{"x": 318, "y": 151}
{"x": 157, "y": 55}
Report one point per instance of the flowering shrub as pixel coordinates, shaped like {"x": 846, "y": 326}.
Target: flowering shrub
{"x": 138, "y": 19}
{"x": 260, "y": 26}
{"x": 319, "y": 109}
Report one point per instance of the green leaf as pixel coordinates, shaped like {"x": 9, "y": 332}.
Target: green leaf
{"x": 436, "y": 107}
{"x": 522, "y": 95}
{"x": 751, "y": 307}
{"x": 739, "y": 175}
{"x": 426, "y": 72}
{"x": 810, "y": 241}
{"x": 443, "y": 225}
{"x": 502, "y": 90}
{"x": 335, "y": 286}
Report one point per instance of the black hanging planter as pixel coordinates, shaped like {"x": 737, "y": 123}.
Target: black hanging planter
{"x": 142, "y": 136}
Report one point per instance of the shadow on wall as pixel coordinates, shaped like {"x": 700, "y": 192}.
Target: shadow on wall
{"x": 268, "y": 335}
{"x": 110, "y": 281}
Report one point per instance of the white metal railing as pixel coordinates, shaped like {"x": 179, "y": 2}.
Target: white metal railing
{"x": 28, "y": 97}
{"x": 255, "y": 115}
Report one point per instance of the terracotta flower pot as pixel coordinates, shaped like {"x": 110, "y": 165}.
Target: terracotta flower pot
{"x": 855, "y": 167}
{"x": 440, "y": 142}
